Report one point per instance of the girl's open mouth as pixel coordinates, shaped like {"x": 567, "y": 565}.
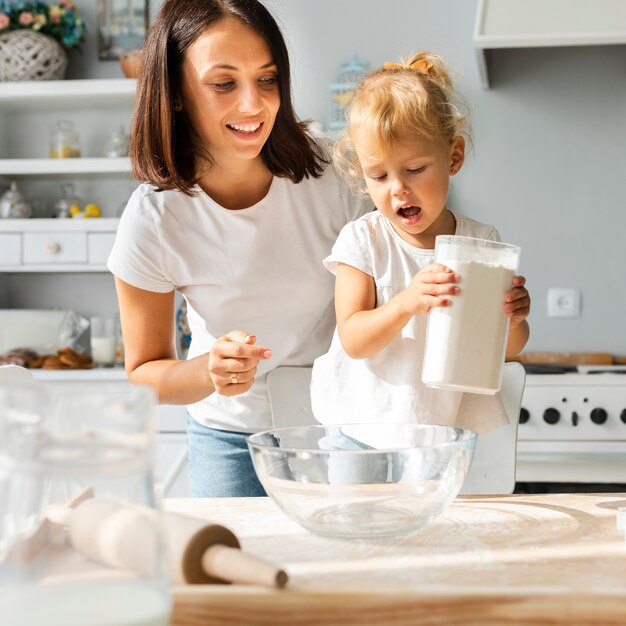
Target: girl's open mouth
{"x": 409, "y": 212}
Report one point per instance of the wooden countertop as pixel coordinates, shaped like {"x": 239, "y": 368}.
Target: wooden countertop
{"x": 541, "y": 559}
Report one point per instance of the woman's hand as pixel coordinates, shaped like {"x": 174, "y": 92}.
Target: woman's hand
{"x": 431, "y": 287}
{"x": 517, "y": 301}
{"x": 233, "y": 361}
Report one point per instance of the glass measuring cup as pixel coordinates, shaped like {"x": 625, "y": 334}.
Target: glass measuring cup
{"x": 80, "y": 536}
{"x": 466, "y": 342}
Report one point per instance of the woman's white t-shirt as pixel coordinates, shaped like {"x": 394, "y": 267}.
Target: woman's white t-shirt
{"x": 258, "y": 270}
{"x": 387, "y": 387}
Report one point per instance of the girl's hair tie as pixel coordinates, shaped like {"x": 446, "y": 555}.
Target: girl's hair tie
{"x": 420, "y": 66}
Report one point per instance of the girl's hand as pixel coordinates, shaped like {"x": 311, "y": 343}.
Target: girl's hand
{"x": 517, "y": 301}
{"x": 431, "y": 287}
{"x": 233, "y": 361}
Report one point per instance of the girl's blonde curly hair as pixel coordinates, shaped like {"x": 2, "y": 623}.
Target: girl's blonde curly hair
{"x": 397, "y": 103}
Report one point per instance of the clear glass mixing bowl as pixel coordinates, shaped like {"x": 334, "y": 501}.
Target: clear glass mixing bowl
{"x": 363, "y": 480}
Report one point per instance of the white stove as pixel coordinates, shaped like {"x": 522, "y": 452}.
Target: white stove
{"x": 573, "y": 426}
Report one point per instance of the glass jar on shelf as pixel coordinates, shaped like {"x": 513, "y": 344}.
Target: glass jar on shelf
{"x": 13, "y": 203}
{"x": 64, "y": 141}
{"x": 117, "y": 144}
{"x": 69, "y": 203}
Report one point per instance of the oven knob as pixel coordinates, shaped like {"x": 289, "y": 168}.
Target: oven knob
{"x": 524, "y": 415}
{"x": 599, "y": 416}
{"x": 551, "y": 416}
{"x": 622, "y": 416}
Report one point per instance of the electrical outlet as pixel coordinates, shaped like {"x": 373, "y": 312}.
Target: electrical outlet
{"x": 563, "y": 302}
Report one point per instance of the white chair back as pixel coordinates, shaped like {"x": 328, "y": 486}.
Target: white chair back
{"x": 493, "y": 466}
{"x": 15, "y": 375}
{"x": 289, "y": 390}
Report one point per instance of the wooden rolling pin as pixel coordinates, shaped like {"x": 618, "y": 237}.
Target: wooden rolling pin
{"x": 127, "y": 537}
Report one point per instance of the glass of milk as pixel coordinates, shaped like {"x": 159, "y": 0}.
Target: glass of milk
{"x": 103, "y": 341}
{"x": 81, "y": 542}
{"x": 466, "y": 342}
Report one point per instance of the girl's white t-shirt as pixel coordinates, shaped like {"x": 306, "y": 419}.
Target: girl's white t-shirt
{"x": 387, "y": 387}
{"x": 258, "y": 270}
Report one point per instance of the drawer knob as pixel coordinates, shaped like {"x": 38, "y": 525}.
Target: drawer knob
{"x": 54, "y": 247}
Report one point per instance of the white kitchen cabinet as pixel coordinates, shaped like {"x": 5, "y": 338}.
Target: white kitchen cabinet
{"x": 62, "y": 248}
{"x": 502, "y": 24}
{"x": 29, "y": 112}
{"x": 10, "y": 250}
{"x": 76, "y": 246}
{"x": 171, "y": 466}
{"x": 51, "y": 245}
{"x": 98, "y": 247}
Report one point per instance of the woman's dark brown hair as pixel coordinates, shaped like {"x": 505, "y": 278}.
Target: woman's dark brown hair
{"x": 164, "y": 148}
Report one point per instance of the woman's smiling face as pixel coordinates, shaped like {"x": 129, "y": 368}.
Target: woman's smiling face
{"x": 230, "y": 91}
{"x": 409, "y": 185}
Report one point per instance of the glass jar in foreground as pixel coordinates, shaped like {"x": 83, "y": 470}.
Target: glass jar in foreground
{"x": 81, "y": 541}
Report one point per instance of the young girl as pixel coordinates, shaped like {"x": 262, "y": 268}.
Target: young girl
{"x": 405, "y": 138}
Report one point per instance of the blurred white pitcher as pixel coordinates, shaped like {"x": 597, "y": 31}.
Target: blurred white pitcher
{"x": 466, "y": 342}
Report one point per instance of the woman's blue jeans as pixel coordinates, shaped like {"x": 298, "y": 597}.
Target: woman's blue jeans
{"x": 220, "y": 464}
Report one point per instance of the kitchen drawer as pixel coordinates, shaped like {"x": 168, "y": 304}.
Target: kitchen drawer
{"x": 50, "y": 248}
{"x": 99, "y": 246}
{"x": 10, "y": 249}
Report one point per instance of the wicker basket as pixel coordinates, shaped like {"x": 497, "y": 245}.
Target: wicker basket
{"x": 27, "y": 55}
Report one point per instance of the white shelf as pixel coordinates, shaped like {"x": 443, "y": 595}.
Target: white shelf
{"x": 94, "y": 374}
{"x": 93, "y": 99}
{"x": 54, "y": 269}
{"x": 67, "y": 94}
{"x": 504, "y": 24}
{"x": 73, "y": 224}
{"x": 70, "y": 167}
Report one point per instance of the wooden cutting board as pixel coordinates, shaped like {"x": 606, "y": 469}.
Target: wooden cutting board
{"x": 543, "y": 559}
{"x": 566, "y": 358}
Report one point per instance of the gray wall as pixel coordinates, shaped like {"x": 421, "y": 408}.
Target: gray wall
{"x": 550, "y": 141}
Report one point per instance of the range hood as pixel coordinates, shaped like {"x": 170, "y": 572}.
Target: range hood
{"x": 545, "y": 23}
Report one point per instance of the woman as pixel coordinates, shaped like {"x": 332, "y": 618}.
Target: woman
{"x": 237, "y": 211}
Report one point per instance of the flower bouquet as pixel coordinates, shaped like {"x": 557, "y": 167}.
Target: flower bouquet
{"x": 35, "y": 36}
{"x": 59, "y": 20}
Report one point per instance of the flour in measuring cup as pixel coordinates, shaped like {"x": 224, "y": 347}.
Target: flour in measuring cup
{"x": 466, "y": 342}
